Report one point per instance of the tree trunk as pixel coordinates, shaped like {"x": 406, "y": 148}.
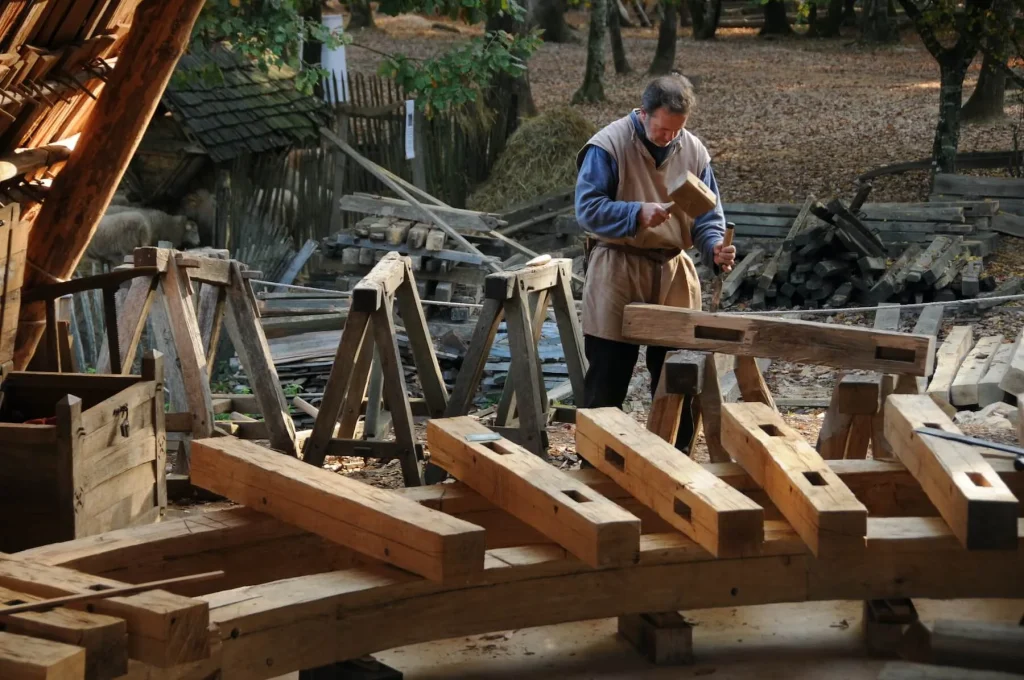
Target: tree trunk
{"x": 360, "y": 15}
{"x": 665, "y": 52}
{"x": 592, "y": 89}
{"x": 953, "y": 68}
{"x": 876, "y": 26}
{"x": 849, "y": 13}
{"x": 775, "y": 20}
{"x": 522, "y": 96}
{"x": 615, "y": 34}
{"x": 706, "y": 14}
{"x": 813, "y": 25}
{"x": 549, "y": 15}
{"x": 158, "y": 36}
{"x": 685, "y": 20}
{"x": 833, "y": 19}
{"x": 988, "y": 100}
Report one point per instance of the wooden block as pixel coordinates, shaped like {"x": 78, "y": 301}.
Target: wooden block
{"x": 350, "y": 255}
{"x": 787, "y": 339}
{"x": 884, "y": 621}
{"x": 664, "y": 639}
{"x": 104, "y": 638}
{"x": 975, "y": 502}
{"x": 27, "y": 658}
{"x": 677, "y": 488}
{"x": 989, "y": 390}
{"x": 366, "y": 256}
{"x": 692, "y": 196}
{"x": 443, "y": 292}
{"x": 858, "y": 394}
{"x": 822, "y": 510}
{"x": 684, "y": 372}
{"x": 372, "y": 521}
{"x": 381, "y": 283}
{"x": 1013, "y": 380}
{"x": 164, "y": 629}
{"x": 589, "y": 526}
{"x": 947, "y": 362}
{"x": 435, "y": 240}
{"x": 417, "y": 237}
{"x": 964, "y": 391}
{"x": 971, "y": 279}
{"x": 397, "y": 233}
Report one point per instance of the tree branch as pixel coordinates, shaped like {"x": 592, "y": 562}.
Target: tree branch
{"x": 924, "y": 29}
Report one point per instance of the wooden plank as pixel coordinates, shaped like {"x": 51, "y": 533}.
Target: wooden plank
{"x": 28, "y": 658}
{"x": 947, "y": 362}
{"x": 102, "y": 637}
{"x": 189, "y": 344}
{"x": 464, "y": 220}
{"x": 989, "y": 390}
{"x": 989, "y": 187}
{"x": 976, "y": 504}
{"x": 787, "y": 339}
{"x": 720, "y": 519}
{"x": 988, "y": 645}
{"x": 164, "y": 630}
{"x": 421, "y": 343}
{"x": 753, "y": 388}
{"x": 822, "y": 510}
{"x": 373, "y": 521}
{"x": 964, "y": 390}
{"x": 251, "y": 345}
{"x": 589, "y": 526}
{"x": 666, "y": 410}
{"x": 1013, "y": 381}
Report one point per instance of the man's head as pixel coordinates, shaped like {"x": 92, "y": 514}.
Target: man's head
{"x": 665, "y": 106}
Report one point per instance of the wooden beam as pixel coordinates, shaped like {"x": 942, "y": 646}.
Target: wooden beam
{"x": 979, "y": 508}
{"x": 786, "y": 339}
{"x": 591, "y": 527}
{"x": 29, "y": 658}
{"x": 164, "y": 630}
{"x": 722, "y": 520}
{"x": 103, "y": 637}
{"x": 375, "y": 522}
{"x": 159, "y": 35}
{"x": 1013, "y": 381}
{"x": 465, "y": 220}
{"x": 964, "y": 391}
{"x": 947, "y": 362}
{"x": 825, "y": 513}
{"x": 903, "y": 670}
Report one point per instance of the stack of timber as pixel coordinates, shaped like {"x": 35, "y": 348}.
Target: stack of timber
{"x": 974, "y": 371}
{"x": 517, "y": 542}
{"x": 1006, "y": 193}
{"x": 547, "y": 225}
{"x": 832, "y": 257}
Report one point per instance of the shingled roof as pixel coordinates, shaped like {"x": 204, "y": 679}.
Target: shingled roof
{"x": 249, "y": 112}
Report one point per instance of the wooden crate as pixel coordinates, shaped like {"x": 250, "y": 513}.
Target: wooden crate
{"x": 96, "y": 463}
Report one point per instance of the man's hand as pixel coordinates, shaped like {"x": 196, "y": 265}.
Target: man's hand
{"x": 725, "y": 256}
{"x": 651, "y": 215}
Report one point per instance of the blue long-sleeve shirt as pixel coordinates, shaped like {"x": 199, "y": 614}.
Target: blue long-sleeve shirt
{"x": 599, "y": 213}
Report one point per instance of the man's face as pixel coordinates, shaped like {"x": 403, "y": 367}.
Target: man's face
{"x": 662, "y": 126}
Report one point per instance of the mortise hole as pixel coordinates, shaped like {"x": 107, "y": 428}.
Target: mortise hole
{"x": 815, "y": 479}
{"x": 770, "y": 430}
{"x": 235, "y": 633}
{"x": 14, "y": 603}
{"x": 493, "y": 446}
{"x": 734, "y": 592}
{"x": 978, "y": 479}
{"x": 934, "y": 426}
{"x": 99, "y": 587}
{"x": 895, "y": 354}
{"x": 681, "y": 509}
{"x": 617, "y": 461}
{"x": 576, "y": 496}
{"x": 712, "y": 333}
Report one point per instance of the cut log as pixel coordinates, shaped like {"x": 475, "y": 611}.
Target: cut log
{"x": 964, "y": 391}
{"x": 372, "y": 521}
{"x": 951, "y": 354}
{"x": 589, "y": 526}
{"x": 786, "y": 339}
{"x": 822, "y": 510}
{"x": 677, "y": 488}
{"x": 976, "y": 504}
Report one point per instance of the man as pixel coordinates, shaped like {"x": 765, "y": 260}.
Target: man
{"x": 634, "y": 245}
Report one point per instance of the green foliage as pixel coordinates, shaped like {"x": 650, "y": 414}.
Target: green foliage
{"x": 460, "y": 76}
{"x": 292, "y": 390}
{"x": 268, "y": 32}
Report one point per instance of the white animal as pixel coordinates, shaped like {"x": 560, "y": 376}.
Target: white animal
{"x": 122, "y": 230}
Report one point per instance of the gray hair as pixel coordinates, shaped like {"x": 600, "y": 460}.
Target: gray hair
{"x": 673, "y": 92}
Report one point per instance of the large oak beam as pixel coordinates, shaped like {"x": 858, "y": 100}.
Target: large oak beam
{"x": 793, "y": 340}
{"x": 80, "y": 194}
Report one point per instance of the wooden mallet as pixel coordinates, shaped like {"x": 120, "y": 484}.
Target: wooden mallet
{"x": 690, "y": 198}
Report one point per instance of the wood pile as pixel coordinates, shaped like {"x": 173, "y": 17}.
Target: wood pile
{"x": 1007, "y": 193}
{"x": 833, "y": 256}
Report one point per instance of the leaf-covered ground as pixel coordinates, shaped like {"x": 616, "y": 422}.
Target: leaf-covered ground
{"x": 782, "y": 118}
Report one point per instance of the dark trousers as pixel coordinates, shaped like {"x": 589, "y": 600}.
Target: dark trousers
{"x": 611, "y": 365}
